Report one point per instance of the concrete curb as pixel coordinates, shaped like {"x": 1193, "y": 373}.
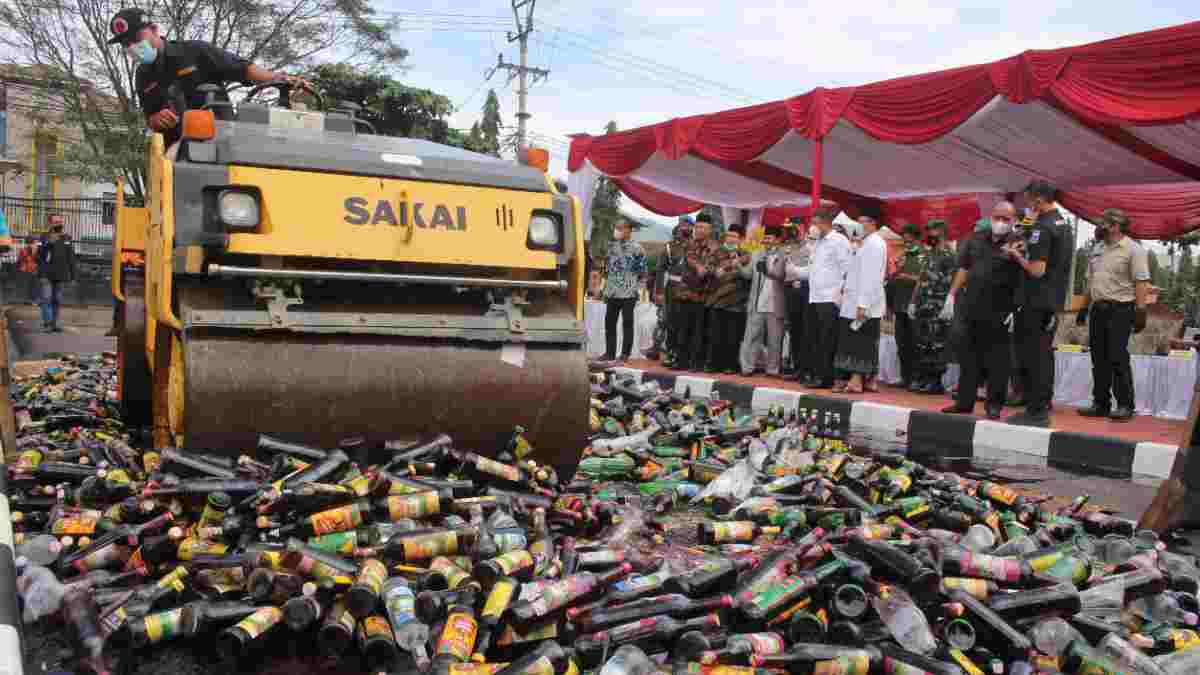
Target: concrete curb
{"x": 11, "y": 659}
{"x": 937, "y": 437}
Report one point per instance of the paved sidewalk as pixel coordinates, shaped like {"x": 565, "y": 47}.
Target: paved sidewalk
{"x": 83, "y": 332}
{"x": 1139, "y": 429}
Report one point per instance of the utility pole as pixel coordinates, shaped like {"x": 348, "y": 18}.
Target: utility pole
{"x": 522, "y": 71}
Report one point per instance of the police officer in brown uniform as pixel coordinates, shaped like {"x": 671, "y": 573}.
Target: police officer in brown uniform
{"x": 1118, "y": 286}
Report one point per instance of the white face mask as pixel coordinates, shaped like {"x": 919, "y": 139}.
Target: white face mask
{"x": 1030, "y": 212}
{"x": 144, "y": 52}
{"x": 1000, "y": 229}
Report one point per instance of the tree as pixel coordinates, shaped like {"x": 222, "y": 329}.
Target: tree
{"x": 489, "y": 127}
{"x": 1081, "y": 267}
{"x": 67, "y": 41}
{"x": 1158, "y": 276}
{"x": 606, "y": 209}
{"x": 393, "y": 108}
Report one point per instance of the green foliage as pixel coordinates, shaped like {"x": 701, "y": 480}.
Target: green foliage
{"x": 393, "y": 108}
{"x": 605, "y": 209}
{"x": 66, "y": 42}
{"x": 489, "y": 126}
{"x": 1081, "y": 267}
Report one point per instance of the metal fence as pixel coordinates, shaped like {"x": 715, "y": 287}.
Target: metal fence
{"x": 90, "y": 221}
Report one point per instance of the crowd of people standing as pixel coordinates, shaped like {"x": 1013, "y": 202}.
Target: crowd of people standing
{"x": 989, "y": 303}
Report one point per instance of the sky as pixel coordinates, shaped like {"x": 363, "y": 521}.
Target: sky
{"x": 645, "y": 62}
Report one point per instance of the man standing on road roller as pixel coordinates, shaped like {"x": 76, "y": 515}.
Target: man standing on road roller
{"x": 191, "y": 63}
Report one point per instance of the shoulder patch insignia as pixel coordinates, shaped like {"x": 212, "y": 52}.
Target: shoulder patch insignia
{"x": 1035, "y": 236}
{"x": 185, "y": 71}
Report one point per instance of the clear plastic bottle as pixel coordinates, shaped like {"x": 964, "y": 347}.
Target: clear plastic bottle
{"x": 979, "y": 539}
{"x": 1128, "y": 656}
{"x": 629, "y": 660}
{"x": 1162, "y": 608}
{"x": 411, "y": 635}
{"x": 1053, "y": 636}
{"x": 40, "y": 591}
{"x": 905, "y": 621}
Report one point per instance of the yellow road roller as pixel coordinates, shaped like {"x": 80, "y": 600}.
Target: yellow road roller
{"x": 308, "y": 279}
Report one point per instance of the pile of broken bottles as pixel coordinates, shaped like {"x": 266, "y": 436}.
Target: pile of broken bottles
{"x": 691, "y": 539}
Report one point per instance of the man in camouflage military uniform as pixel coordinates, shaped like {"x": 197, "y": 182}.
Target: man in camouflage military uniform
{"x": 899, "y": 296}
{"x": 669, "y": 277}
{"x": 931, "y": 331}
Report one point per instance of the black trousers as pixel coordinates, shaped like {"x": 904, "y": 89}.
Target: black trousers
{"x": 623, "y": 307}
{"x": 905, "y": 341}
{"x": 1035, "y": 351}
{"x": 1109, "y": 327}
{"x": 725, "y": 330}
{"x": 797, "y": 308}
{"x": 821, "y": 327}
{"x": 690, "y": 336}
{"x": 985, "y": 352}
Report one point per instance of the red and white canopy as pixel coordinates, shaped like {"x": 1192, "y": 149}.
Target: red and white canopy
{"x": 1113, "y": 124}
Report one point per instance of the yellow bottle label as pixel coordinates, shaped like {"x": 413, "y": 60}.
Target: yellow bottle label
{"x": 340, "y": 519}
{"x": 371, "y": 575}
{"x": 261, "y": 621}
{"x": 430, "y": 545}
{"x": 417, "y": 505}
{"x": 458, "y": 637}
{"x": 499, "y": 599}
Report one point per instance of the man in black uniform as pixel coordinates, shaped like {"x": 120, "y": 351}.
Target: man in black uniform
{"x": 991, "y": 279}
{"x": 1047, "y": 264}
{"x": 191, "y": 63}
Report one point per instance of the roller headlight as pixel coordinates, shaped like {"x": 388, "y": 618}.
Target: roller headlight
{"x": 238, "y": 209}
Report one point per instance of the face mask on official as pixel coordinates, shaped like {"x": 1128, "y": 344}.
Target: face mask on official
{"x": 144, "y": 52}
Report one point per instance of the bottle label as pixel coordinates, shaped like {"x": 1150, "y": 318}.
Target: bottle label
{"x": 560, "y": 593}
{"x": 476, "y": 668}
{"x": 1003, "y": 494}
{"x": 371, "y": 575}
{"x": 417, "y": 505}
{"x": 602, "y": 557}
{"x": 118, "y": 477}
{"x": 430, "y": 545}
{"x": 513, "y": 562}
{"x": 211, "y": 516}
{"x": 498, "y": 469}
{"x": 315, "y": 568}
{"x": 1184, "y": 639}
{"x": 547, "y": 630}
{"x": 260, "y": 621}
{"x": 458, "y": 637}
{"x": 373, "y": 626}
{"x": 222, "y": 579}
{"x": 498, "y": 600}
{"x": 645, "y": 583}
{"x": 450, "y": 569}
{"x": 190, "y": 548}
{"x": 509, "y": 541}
{"x": 893, "y": 667}
{"x": 29, "y": 459}
{"x": 74, "y": 525}
{"x": 739, "y": 531}
{"x": 1090, "y": 666}
{"x": 990, "y": 567}
{"x": 103, "y": 557}
{"x": 765, "y": 644}
{"x": 1045, "y": 562}
{"x": 858, "y": 664}
{"x": 788, "y": 613}
{"x": 151, "y": 462}
{"x": 965, "y": 663}
{"x": 401, "y": 604}
{"x": 542, "y": 666}
{"x": 342, "y": 543}
{"x": 163, "y": 625}
{"x": 974, "y": 587}
{"x": 340, "y": 519}
{"x": 360, "y": 486}
{"x": 703, "y": 669}
{"x": 777, "y": 594}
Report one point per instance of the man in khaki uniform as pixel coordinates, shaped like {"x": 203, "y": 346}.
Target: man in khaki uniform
{"x": 1118, "y": 285}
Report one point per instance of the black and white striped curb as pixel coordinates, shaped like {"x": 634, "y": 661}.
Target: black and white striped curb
{"x": 10, "y": 615}
{"x": 937, "y": 437}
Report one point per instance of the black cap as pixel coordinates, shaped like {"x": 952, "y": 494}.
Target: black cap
{"x": 125, "y": 25}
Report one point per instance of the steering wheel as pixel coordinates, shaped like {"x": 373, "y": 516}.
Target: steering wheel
{"x": 284, "y": 87}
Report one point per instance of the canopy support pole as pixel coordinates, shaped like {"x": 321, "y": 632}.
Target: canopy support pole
{"x": 818, "y": 170}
